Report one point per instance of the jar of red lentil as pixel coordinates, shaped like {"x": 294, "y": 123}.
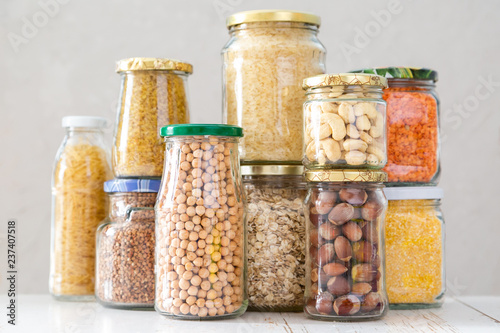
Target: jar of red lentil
{"x": 413, "y": 144}
{"x": 345, "y": 212}
{"x": 414, "y": 247}
{"x": 200, "y": 223}
{"x": 275, "y": 236}
{"x": 344, "y": 122}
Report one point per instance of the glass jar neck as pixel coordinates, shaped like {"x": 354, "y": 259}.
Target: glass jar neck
{"x": 406, "y": 83}
{"x": 153, "y": 72}
{"x": 200, "y": 138}
{"x": 416, "y": 203}
{"x": 276, "y": 26}
{"x": 360, "y": 91}
{"x": 72, "y": 131}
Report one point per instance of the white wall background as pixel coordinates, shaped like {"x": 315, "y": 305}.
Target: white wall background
{"x": 66, "y": 67}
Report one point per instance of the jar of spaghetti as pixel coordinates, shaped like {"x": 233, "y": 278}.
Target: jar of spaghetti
{"x": 275, "y": 236}
{"x": 79, "y": 204}
{"x": 345, "y": 269}
{"x": 413, "y": 144}
{"x": 344, "y": 122}
{"x": 268, "y": 55}
{"x": 200, "y": 223}
{"x": 414, "y": 246}
{"x": 153, "y": 94}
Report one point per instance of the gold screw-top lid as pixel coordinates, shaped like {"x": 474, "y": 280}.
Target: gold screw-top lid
{"x": 344, "y": 79}
{"x": 272, "y": 170}
{"x": 272, "y": 16}
{"x": 152, "y": 64}
{"x": 346, "y": 175}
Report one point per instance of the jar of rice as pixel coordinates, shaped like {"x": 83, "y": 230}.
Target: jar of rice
{"x": 268, "y": 55}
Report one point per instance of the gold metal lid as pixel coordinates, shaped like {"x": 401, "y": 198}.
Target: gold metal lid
{"x": 272, "y": 16}
{"x": 150, "y": 64}
{"x": 346, "y": 175}
{"x": 344, "y": 79}
{"x": 272, "y": 170}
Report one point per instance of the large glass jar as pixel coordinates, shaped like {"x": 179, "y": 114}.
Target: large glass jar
{"x": 268, "y": 55}
{"x": 275, "y": 236}
{"x": 344, "y": 122}
{"x": 345, "y": 245}
{"x": 79, "y": 204}
{"x": 414, "y": 246}
{"x": 125, "y": 261}
{"x": 200, "y": 223}
{"x": 153, "y": 94}
{"x": 127, "y": 193}
{"x": 413, "y": 143}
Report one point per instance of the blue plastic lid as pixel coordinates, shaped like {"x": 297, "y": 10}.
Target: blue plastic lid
{"x": 132, "y": 185}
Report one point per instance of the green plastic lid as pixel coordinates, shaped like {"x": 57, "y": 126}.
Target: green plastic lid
{"x": 402, "y": 73}
{"x": 201, "y": 129}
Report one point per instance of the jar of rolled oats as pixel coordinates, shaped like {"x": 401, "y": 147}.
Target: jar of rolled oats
{"x": 153, "y": 94}
{"x": 200, "y": 223}
{"x": 275, "y": 236}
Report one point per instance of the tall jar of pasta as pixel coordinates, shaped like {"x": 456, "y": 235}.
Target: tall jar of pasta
{"x": 268, "y": 55}
{"x": 153, "y": 94}
{"x": 79, "y": 204}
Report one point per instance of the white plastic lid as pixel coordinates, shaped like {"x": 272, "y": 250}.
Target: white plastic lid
{"x": 413, "y": 193}
{"x": 84, "y": 121}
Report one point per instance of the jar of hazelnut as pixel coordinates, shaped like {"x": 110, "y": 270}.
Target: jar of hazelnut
{"x": 345, "y": 267}
{"x": 200, "y": 223}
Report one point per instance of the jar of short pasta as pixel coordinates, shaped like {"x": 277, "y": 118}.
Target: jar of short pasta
{"x": 275, "y": 236}
{"x": 153, "y": 94}
{"x": 414, "y": 234}
{"x": 345, "y": 269}
{"x": 125, "y": 193}
{"x": 268, "y": 55}
{"x": 413, "y": 143}
{"x": 200, "y": 223}
{"x": 125, "y": 260}
{"x": 344, "y": 122}
{"x": 79, "y": 204}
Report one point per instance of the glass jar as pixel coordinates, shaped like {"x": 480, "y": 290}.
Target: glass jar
{"x": 344, "y": 122}
{"x": 414, "y": 246}
{"x": 79, "y": 204}
{"x": 200, "y": 218}
{"x": 153, "y": 94}
{"x": 413, "y": 143}
{"x": 127, "y": 193}
{"x": 275, "y": 236}
{"x": 345, "y": 245}
{"x": 268, "y": 55}
{"x": 125, "y": 261}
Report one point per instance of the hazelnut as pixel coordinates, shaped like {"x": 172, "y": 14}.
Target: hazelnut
{"x": 338, "y": 285}
{"x": 361, "y": 288}
{"x": 370, "y": 233}
{"x": 343, "y": 248}
{"x": 316, "y": 239}
{"x": 371, "y": 210}
{"x": 371, "y": 301}
{"x": 326, "y": 253}
{"x": 363, "y": 273}
{"x": 346, "y": 305}
{"x": 352, "y": 231}
{"x": 311, "y": 306}
{"x": 353, "y": 196}
{"x": 314, "y": 275}
{"x": 357, "y": 214}
{"x": 317, "y": 219}
{"x": 324, "y": 303}
{"x": 335, "y": 268}
{"x": 341, "y": 213}
{"x": 328, "y": 231}
{"x": 313, "y": 253}
{"x": 363, "y": 251}
{"x": 325, "y": 202}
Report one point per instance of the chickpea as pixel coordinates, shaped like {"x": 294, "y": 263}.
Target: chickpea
{"x": 183, "y": 294}
{"x": 205, "y": 285}
{"x": 196, "y": 280}
{"x": 193, "y": 291}
{"x": 203, "y": 312}
{"x": 203, "y": 273}
{"x": 212, "y": 312}
{"x": 184, "y": 308}
{"x": 211, "y": 295}
{"x": 187, "y": 276}
{"x": 213, "y": 278}
{"x": 212, "y": 268}
{"x": 190, "y": 300}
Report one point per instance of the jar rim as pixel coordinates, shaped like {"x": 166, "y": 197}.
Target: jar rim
{"x": 272, "y": 16}
{"x": 272, "y": 170}
{"x": 201, "y": 129}
{"x": 413, "y": 193}
{"x": 125, "y": 185}
{"x": 158, "y": 64}
{"x": 344, "y": 79}
{"x": 346, "y": 175}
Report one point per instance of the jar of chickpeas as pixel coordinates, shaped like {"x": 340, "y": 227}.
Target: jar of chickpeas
{"x": 200, "y": 223}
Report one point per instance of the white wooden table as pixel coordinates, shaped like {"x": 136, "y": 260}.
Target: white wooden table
{"x": 40, "y": 313}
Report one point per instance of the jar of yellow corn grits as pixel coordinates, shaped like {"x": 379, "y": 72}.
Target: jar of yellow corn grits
{"x": 414, "y": 243}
